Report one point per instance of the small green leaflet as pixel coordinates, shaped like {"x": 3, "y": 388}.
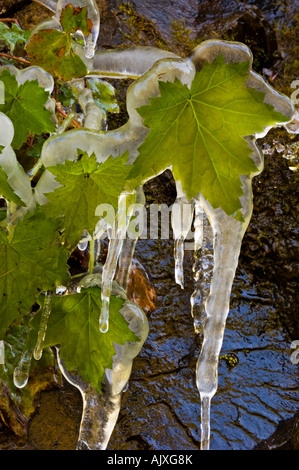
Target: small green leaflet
{"x": 200, "y": 132}
{"x": 31, "y": 261}
{"x": 74, "y": 19}
{"x": 74, "y": 325}
{"x": 25, "y": 106}
{"x": 13, "y": 36}
{"x": 86, "y": 184}
{"x": 53, "y": 49}
{"x": 5, "y": 189}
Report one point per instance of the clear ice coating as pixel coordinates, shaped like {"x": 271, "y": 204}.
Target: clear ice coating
{"x": 90, "y": 42}
{"x": 21, "y": 372}
{"x": 100, "y": 411}
{"x": 46, "y": 310}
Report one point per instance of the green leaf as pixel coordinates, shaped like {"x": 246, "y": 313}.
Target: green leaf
{"x": 74, "y": 19}
{"x": 52, "y": 50}
{"x": 86, "y": 184}
{"x": 25, "y": 106}
{"x": 200, "y": 132}
{"x": 5, "y": 189}
{"x": 74, "y": 324}
{"x": 31, "y": 261}
{"x": 13, "y": 36}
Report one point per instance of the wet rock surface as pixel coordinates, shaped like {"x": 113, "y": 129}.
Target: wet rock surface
{"x": 256, "y": 405}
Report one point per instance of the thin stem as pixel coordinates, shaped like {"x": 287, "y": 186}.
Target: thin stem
{"x": 19, "y": 59}
{"x": 67, "y": 121}
{"x": 91, "y": 256}
{"x": 116, "y": 75}
{"x": 63, "y": 113}
{"x": 33, "y": 172}
{"x": 9, "y": 20}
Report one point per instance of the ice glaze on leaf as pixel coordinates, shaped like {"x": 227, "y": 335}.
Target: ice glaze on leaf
{"x": 200, "y": 132}
{"x": 31, "y": 260}
{"x": 74, "y": 324}
{"x": 25, "y": 106}
{"x": 52, "y": 50}
{"x": 74, "y": 19}
{"x": 5, "y": 189}
{"x": 86, "y": 184}
{"x": 13, "y": 36}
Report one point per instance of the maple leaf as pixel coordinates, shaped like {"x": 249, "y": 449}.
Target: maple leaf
{"x": 200, "y": 132}
{"x": 25, "y": 106}
{"x": 86, "y": 184}
{"x": 31, "y": 261}
{"x": 52, "y": 50}
{"x": 74, "y": 325}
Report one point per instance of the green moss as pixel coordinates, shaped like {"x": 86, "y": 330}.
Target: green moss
{"x": 139, "y": 30}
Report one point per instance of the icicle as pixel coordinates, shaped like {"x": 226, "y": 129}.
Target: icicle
{"x": 46, "y": 310}
{"x": 228, "y": 235}
{"x": 21, "y": 372}
{"x": 203, "y": 265}
{"x": 110, "y": 265}
{"x": 205, "y": 421}
{"x": 128, "y": 249}
{"x": 2, "y": 352}
{"x": 181, "y": 221}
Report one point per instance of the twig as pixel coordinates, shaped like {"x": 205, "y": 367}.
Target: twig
{"x": 8, "y": 56}
{"x": 64, "y": 114}
{"x": 10, "y": 20}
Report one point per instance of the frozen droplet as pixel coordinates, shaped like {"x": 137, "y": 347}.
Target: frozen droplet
{"x": 104, "y": 317}
{"x": 83, "y": 245}
{"x": 21, "y": 372}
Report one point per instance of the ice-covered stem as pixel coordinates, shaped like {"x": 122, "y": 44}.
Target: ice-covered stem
{"x": 203, "y": 264}
{"x": 46, "y": 310}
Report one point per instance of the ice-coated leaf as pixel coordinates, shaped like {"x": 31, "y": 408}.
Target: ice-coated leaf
{"x": 85, "y": 184}
{"x": 25, "y": 106}
{"x": 13, "y": 36}
{"x": 74, "y": 324}
{"x": 74, "y": 19}
{"x": 52, "y": 50}
{"x": 5, "y": 189}
{"x": 200, "y": 132}
{"x": 31, "y": 260}
{"x": 104, "y": 95}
